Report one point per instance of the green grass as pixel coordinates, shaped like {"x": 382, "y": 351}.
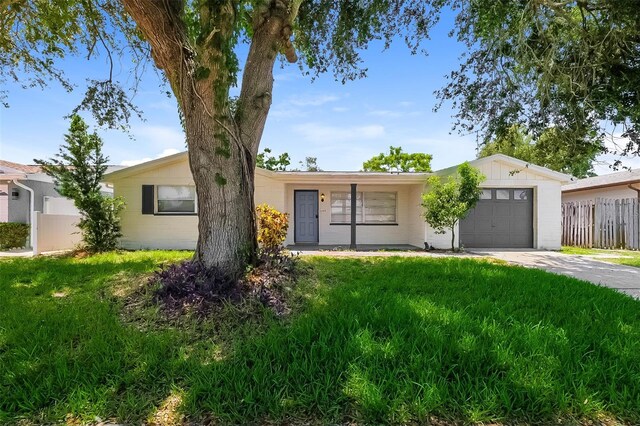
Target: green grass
{"x": 378, "y": 340}
{"x": 627, "y": 257}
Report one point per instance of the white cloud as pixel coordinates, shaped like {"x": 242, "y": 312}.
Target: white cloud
{"x": 315, "y": 132}
{"x": 340, "y": 109}
{"x": 282, "y": 111}
{"x": 287, "y": 76}
{"x": 165, "y": 153}
{"x": 312, "y": 100}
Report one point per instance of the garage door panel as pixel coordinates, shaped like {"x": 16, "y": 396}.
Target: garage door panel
{"x": 501, "y": 240}
{"x": 481, "y": 240}
{"x": 521, "y": 209}
{"x": 505, "y": 222}
{"x": 484, "y": 226}
{"x": 501, "y": 209}
{"x": 483, "y": 209}
{"x": 520, "y": 241}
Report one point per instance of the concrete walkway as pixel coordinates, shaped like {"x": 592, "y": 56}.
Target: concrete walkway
{"x": 17, "y": 253}
{"x": 381, "y": 253}
{"x": 29, "y": 253}
{"x": 619, "y": 277}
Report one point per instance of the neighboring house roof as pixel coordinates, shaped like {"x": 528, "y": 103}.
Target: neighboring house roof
{"x": 9, "y": 173}
{"x": 21, "y": 167}
{"x": 329, "y": 176}
{"x": 20, "y": 171}
{"x": 626, "y": 177}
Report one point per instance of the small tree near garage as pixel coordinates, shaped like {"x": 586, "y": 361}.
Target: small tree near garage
{"x": 449, "y": 200}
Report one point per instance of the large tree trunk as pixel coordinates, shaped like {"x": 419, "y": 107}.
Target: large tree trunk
{"x": 225, "y": 187}
{"x": 222, "y": 145}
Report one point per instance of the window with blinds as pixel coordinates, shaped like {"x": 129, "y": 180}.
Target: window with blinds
{"x": 371, "y": 207}
{"x": 176, "y": 199}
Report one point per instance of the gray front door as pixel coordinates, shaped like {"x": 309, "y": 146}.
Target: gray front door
{"x": 503, "y": 218}
{"x": 306, "y": 216}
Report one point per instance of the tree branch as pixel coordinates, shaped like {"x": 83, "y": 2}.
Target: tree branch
{"x": 160, "y": 23}
{"x": 271, "y": 34}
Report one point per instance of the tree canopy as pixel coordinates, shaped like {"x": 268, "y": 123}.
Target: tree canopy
{"x": 272, "y": 162}
{"x": 398, "y": 161}
{"x": 571, "y": 65}
{"x": 193, "y": 36}
{"x": 550, "y": 150}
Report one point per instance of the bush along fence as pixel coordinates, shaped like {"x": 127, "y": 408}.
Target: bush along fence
{"x": 13, "y": 235}
{"x": 603, "y": 223}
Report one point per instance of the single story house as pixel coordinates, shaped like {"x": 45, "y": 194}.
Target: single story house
{"x": 625, "y": 184}
{"x": 519, "y": 207}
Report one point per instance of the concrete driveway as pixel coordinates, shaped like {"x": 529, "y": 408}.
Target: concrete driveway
{"x": 622, "y": 278}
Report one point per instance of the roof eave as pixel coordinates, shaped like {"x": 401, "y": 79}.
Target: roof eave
{"x": 604, "y": 185}
{"x": 13, "y": 176}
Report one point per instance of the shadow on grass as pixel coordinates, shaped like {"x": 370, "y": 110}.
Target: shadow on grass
{"x": 381, "y": 341}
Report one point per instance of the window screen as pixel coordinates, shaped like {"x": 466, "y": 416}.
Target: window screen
{"x": 176, "y": 199}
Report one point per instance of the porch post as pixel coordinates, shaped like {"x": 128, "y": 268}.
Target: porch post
{"x": 354, "y": 207}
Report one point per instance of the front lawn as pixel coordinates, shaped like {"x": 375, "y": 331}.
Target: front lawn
{"x": 375, "y": 340}
{"x": 622, "y": 257}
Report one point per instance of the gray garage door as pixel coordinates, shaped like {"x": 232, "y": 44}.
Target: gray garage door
{"x": 503, "y": 218}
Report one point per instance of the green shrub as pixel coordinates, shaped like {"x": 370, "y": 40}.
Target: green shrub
{"x": 13, "y": 235}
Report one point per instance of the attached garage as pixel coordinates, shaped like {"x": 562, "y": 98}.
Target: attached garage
{"x": 503, "y": 218}
{"x": 519, "y": 208}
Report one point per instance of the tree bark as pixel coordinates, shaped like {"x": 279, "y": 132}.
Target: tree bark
{"x": 222, "y": 145}
{"x": 453, "y": 237}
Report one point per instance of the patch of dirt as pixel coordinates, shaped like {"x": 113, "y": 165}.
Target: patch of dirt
{"x": 168, "y": 414}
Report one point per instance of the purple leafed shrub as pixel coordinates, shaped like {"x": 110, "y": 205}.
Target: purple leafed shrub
{"x": 190, "y": 283}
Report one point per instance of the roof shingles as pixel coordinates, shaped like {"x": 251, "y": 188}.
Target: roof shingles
{"x": 24, "y": 168}
{"x": 611, "y": 179}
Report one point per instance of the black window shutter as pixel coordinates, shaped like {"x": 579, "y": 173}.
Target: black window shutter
{"x": 147, "y": 199}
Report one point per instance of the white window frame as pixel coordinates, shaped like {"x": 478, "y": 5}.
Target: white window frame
{"x": 174, "y": 213}
{"x": 360, "y": 219}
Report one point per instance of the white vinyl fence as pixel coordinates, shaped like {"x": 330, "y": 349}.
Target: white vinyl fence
{"x": 603, "y": 223}
{"x": 55, "y": 232}
{"x": 59, "y": 205}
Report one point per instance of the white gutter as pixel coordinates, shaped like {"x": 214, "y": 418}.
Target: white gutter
{"x": 32, "y": 212}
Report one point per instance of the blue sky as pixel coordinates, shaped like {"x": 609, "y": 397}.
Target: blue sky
{"x": 341, "y": 125}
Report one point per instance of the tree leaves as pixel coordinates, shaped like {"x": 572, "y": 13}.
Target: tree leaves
{"x": 553, "y": 149}
{"x": 271, "y": 162}
{"x": 448, "y": 200}
{"x": 570, "y": 65}
{"x": 398, "y": 161}
{"x": 36, "y": 35}
{"x": 78, "y": 169}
